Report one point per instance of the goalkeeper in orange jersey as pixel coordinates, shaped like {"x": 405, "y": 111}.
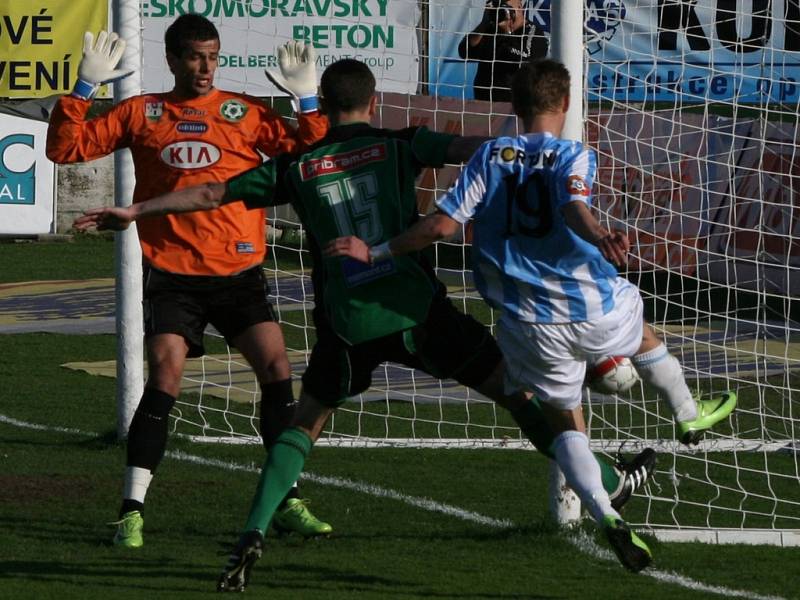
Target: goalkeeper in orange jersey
{"x": 199, "y": 268}
{"x": 359, "y": 178}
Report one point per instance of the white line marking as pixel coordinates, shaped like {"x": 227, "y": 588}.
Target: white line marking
{"x": 580, "y": 539}
{"x": 364, "y": 488}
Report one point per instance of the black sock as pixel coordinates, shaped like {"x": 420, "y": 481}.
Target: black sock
{"x": 277, "y": 410}
{"x": 147, "y": 436}
{"x": 128, "y": 505}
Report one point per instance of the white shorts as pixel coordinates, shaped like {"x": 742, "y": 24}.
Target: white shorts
{"x": 549, "y": 359}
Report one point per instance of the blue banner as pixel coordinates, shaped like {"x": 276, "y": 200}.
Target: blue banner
{"x": 687, "y": 51}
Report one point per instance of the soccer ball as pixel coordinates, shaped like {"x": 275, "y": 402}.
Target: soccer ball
{"x": 612, "y": 375}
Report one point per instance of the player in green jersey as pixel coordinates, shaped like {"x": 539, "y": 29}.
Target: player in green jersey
{"x": 361, "y": 180}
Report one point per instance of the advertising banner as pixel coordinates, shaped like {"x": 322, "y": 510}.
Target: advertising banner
{"x": 41, "y": 43}
{"x": 27, "y": 178}
{"x": 382, "y": 33}
{"x": 708, "y": 50}
{"x": 694, "y": 51}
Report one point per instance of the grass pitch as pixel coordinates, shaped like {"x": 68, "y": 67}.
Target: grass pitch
{"x": 408, "y": 523}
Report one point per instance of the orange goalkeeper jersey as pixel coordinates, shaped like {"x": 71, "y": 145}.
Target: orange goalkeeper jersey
{"x": 179, "y": 143}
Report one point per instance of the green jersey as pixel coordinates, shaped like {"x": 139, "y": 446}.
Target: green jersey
{"x": 357, "y": 180}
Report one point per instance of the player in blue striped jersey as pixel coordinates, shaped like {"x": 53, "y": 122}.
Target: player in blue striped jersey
{"x": 527, "y": 261}
{"x": 544, "y": 261}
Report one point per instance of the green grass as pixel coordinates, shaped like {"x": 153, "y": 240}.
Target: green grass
{"x": 86, "y": 257}
{"x": 58, "y": 488}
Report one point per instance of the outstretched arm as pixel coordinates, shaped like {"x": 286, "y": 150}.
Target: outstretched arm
{"x": 614, "y": 245}
{"x": 462, "y": 148}
{"x": 422, "y": 234}
{"x": 201, "y": 197}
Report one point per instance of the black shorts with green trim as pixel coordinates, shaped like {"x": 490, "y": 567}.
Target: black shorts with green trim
{"x": 448, "y": 345}
{"x": 186, "y": 304}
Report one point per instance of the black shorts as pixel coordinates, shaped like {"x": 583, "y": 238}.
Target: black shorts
{"x": 449, "y": 344}
{"x": 185, "y": 304}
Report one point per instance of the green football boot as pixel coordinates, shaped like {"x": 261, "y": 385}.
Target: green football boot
{"x": 709, "y": 413}
{"x": 296, "y": 517}
{"x": 129, "y": 530}
{"x": 630, "y": 549}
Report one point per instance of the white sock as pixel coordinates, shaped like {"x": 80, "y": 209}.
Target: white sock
{"x": 137, "y": 480}
{"x": 663, "y": 371}
{"x": 575, "y": 458}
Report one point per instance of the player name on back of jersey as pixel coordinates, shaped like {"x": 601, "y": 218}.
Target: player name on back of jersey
{"x": 533, "y": 160}
{"x": 346, "y": 161}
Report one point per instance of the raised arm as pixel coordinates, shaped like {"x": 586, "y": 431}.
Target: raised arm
{"x": 297, "y": 77}
{"x": 70, "y": 137}
{"x": 423, "y": 233}
{"x": 201, "y": 197}
{"x": 497, "y": 18}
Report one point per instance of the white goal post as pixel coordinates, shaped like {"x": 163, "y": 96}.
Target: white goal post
{"x": 691, "y": 106}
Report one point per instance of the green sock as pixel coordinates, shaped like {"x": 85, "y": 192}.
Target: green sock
{"x": 531, "y": 421}
{"x": 608, "y": 474}
{"x": 281, "y": 469}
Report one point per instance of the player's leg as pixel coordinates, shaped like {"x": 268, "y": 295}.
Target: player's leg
{"x": 283, "y": 466}
{"x": 663, "y": 372}
{"x": 243, "y": 313}
{"x": 174, "y": 322}
{"x": 540, "y": 358}
{"x": 620, "y": 479}
{"x": 454, "y": 345}
{"x": 263, "y": 346}
{"x": 335, "y": 371}
{"x": 147, "y": 435}
{"x": 575, "y": 461}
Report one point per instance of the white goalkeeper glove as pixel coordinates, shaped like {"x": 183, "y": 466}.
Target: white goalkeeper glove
{"x": 99, "y": 62}
{"x": 298, "y": 75}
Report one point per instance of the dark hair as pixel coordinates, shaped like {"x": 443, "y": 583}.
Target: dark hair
{"x": 539, "y": 87}
{"x": 187, "y": 28}
{"x": 347, "y": 85}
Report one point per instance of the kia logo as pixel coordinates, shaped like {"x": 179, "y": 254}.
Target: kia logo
{"x": 190, "y": 155}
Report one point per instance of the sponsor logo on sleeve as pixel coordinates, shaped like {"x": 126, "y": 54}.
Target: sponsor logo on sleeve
{"x": 191, "y": 154}
{"x": 233, "y": 110}
{"x": 577, "y": 186}
{"x": 245, "y": 248}
{"x": 338, "y": 163}
{"x": 192, "y": 127}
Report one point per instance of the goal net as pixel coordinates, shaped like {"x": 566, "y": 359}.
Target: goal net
{"x": 691, "y": 107}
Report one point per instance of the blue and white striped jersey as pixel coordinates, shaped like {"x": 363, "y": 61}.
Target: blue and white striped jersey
{"x": 526, "y": 260}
